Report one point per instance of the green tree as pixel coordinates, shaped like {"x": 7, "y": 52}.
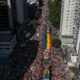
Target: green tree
{"x": 37, "y": 14}
{"x": 73, "y": 69}
{"x": 76, "y": 78}
{"x": 54, "y": 12}
{"x": 56, "y": 43}
{"x": 34, "y": 23}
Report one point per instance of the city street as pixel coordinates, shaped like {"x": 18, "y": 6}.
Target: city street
{"x": 39, "y": 40}
{"x": 57, "y": 65}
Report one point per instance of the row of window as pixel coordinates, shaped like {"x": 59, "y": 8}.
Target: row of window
{"x": 4, "y": 48}
{"x": 4, "y": 44}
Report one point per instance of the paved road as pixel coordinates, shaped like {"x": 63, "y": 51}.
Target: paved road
{"x": 58, "y": 67}
{"x": 36, "y": 66}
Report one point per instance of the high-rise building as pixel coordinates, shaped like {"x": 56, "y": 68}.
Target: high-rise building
{"x": 69, "y": 21}
{"x": 11, "y": 13}
{"x": 70, "y": 26}
{"x": 20, "y": 11}
{"x": 78, "y": 41}
{"x": 7, "y": 39}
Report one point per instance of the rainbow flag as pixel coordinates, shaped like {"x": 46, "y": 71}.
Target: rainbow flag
{"x": 47, "y": 40}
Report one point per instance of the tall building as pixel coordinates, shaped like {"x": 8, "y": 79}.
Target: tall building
{"x": 69, "y": 21}
{"x": 32, "y": 1}
{"x": 78, "y": 41}
{"x": 70, "y": 26}
{"x": 20, "y": 11}
{"x": 11, "y": 13}
{"x": 7, "y": 39}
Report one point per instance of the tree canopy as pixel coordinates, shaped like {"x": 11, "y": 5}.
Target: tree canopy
{"x": 56, "y": 43}
{"x": 54, "y": 12}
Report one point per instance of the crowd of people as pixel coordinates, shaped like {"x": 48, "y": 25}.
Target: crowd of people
{"x": 58, "y": 67}
{"x": 36, "y": 71}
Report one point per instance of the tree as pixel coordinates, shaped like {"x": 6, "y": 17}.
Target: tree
{"x": 76, "y": 78}
{"x": 37, "y": 14}
{"x": 73, "y": 69}
{"x": 34, "y": 23}
{"x": 56, "y": 43}
{"x": 54, "y": 12}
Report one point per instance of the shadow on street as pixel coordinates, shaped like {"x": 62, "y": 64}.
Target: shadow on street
{"x": 19, "y": 62}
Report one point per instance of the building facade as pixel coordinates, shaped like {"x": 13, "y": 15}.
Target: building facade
{"x": 70, "y": 22}
{"x": 11, "y": 13}
{"x": 20, "y": 11}
{"x": 70, "y": 25}
{"x": 7, "y": 39}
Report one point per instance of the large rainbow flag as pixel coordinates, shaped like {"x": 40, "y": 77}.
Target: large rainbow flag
{"x": 47, "y": 40}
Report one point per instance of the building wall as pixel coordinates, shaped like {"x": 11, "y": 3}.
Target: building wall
{"x": 68, "y": 13}
{"x": 78, "y": 42}
{"x": 70, "y": 26}
{"x": 67, "y": 41}
{"x": 10, "y": 13}
{"x": 4, "y": 19}
{"x": 7, "y": 39}
{"x": 70, "y": 18}
{"x": 7, "y": 43}
{"x": 20, "y": 11}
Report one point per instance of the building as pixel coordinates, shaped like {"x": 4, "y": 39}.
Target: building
{"x": 7, "y": 43}
{"x": 78, "y": 45}
{"x": 20, "y": 11}
{"x": 69, "y": 22}
{"x": 70, "y": 25}
{"x": 11, "y": 13}
{"x": 78, "y": 41}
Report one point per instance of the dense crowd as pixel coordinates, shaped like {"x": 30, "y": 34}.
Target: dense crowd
{"x": 58, "y": 67}
{"x": 35, "y": 71}
{"x": 36, "y": 67}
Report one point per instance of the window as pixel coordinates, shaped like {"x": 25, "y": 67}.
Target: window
{"x": 68, "y": 10}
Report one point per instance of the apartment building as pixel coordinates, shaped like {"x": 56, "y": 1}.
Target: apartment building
{"x": 69, "y": 22}
{"x": 20, "y": 11}
{"x": 70, "y": 26}
{"x": 7, "y": 43}
{"x": 7, "y": 39}
{"x": 78, "y": 41}
{"x": 11, "y": 13}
